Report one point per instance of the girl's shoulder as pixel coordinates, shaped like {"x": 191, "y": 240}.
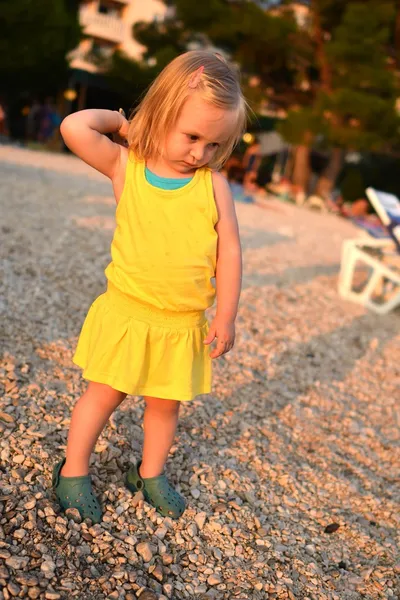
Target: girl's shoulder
{"x": 222, "y": 193}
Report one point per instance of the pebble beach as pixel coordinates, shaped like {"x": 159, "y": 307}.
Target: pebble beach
{"x": 290, "y": 468}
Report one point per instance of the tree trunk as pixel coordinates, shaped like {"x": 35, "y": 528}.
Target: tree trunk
{"x": 397, "y": 34}
{"x": 327, "y": 180}
{"x": 301, "y": 172}
{"x": 324, "y": 67}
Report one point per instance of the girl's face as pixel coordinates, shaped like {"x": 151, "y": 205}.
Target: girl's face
{"x": 199, "y": 131}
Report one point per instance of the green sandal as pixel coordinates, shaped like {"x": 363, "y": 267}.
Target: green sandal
{"x": 76, "y": 492}
{"x": 157, "y": 492}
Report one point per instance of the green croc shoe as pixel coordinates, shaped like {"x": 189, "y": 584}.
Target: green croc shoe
{"x": 76, "y": 492}
{"x": 157, "y": 492}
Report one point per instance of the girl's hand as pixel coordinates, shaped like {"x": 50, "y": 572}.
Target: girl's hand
{"x": 119, "y": 137}
{"x": 224, "y": 331}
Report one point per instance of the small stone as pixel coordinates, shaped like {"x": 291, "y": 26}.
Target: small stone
{"x": 192, "y": 529}
{"x": 6, "y": 418}
{"x": 13, "y": 588}
{"x": 161, "y": 532}
{"x": 310, "y": 549}
{"x": 33, "y": 593}
{"x": 144, "y": 550}
{"x": 137, "y": 498}
{"x": 97, "y": 530}
{"x": 51, "y": 595}
{"x": 29, "y": 580}
{"x": 342, "y": 565}
{"x": 132, "y": 541}
{"x": 214, "y": 579}
{"x": 397, "y": 568}
{"x": 4, "y": 573}
{"x": 73, "y": 513}
{"x": 250, "y": 497}
{"x": 19, "y": 534}
{"x": 148, "y": 595}
{"x": 167, "y": 589}
{"x": 19, "y": 459}
{"x": 200, "y": 519}
{"x": 331, "y": 528}
{"x": 17, "y": 562}
{"x": 200, "y": 589}
{"x": 157, "y": 572}
{"x": 118, "y": 575}
{"x": 48, "y": 568}
{"x": 195, "y": 493}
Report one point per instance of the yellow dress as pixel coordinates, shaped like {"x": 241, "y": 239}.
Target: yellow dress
{"x": 144, "y": 335}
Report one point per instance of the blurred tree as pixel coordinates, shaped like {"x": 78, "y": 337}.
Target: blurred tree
{"x": 128, "y": 78}
{"x": 35, "y": 39}
{"x": 269, "y": 48}
{"x": 304, "y": 122}
{"x": 333, "y": 75}
{"x": 359, "y": 110}
{"x": 354, "y": 103}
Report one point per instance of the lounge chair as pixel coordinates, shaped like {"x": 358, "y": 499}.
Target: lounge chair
{"x": 379, "y": 257}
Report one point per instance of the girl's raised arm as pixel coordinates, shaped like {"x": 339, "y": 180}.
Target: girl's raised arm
{"x": 84, "y": 134}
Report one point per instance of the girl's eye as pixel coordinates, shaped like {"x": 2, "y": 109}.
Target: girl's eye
{"x": 193, "y": 138}
{"x": 214, "y": 145}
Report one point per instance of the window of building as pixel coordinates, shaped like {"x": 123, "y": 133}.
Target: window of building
{"x": 109, "y": 8}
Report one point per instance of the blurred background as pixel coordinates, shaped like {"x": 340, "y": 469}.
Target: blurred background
{"x": 322, "y": 77}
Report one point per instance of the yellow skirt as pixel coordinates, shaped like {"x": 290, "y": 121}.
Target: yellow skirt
{"x": 144, "y": 351}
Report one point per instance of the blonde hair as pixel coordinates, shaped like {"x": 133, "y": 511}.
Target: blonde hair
{"x": 217, "y": 82}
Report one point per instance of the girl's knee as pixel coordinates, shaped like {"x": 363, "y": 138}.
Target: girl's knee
{"x": 103, "y": 394}
{"x": 162, "y": 405}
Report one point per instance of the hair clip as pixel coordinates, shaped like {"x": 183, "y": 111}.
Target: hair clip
{"x": 220, "y": 57}
{"x": 195, "y": 78}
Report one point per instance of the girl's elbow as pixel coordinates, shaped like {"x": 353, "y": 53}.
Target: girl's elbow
{"x": 65, "y": 125}
{"x": 68, "y": 128}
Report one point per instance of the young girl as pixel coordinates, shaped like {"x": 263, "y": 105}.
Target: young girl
{"x": 176, "y": 229}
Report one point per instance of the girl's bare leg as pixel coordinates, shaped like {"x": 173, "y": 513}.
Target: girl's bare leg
{"x": 89, "y": 418}
{"x": 159, "y": 423}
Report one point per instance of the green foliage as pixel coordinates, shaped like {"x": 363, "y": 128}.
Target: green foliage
{"x": 163, "y": 43}
{"x": 360, "y": 111}
{"x": 35, "y": 38}
{"x": 331, "y": 12}
{"x": 301, "y": 126}
{"x": 262, "y": 44}
{"x": 128, "y": 78}
{"x": 197, "y": 16}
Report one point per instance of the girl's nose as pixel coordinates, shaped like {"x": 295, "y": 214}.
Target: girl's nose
{"x": 197, "y": 153}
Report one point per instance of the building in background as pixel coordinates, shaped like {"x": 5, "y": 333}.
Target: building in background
{"x": 300, "y": 10}
{"x": 107, "y": 27}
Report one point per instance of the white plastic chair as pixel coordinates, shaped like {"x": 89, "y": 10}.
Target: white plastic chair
{"x": 380, "y": 291}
